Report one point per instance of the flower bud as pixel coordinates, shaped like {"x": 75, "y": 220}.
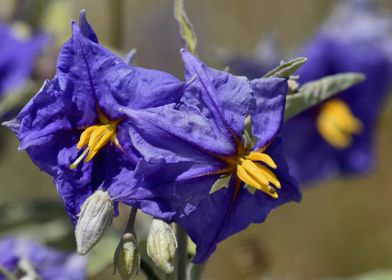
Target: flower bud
{"x": 95, "y": 216}
{"x": 162, "y": 245}
{"x": 127, "y": 257}
{"x": 293, "y": 85}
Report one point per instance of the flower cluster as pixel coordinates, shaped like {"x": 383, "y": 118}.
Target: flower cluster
{"x": 25, "y": 259}
{"x": 204, "y": 153}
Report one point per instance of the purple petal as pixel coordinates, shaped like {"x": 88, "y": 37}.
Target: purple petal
{"x": 218, "y": 95}
{"x": 267, "y": 115}
{"x": 213, "y": 211}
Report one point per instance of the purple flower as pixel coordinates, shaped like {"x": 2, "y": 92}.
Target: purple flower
{"x": 72, "y": 129}
{"x": 22, "y": 257}
{"x": 337, "y": 136}
{"x": 208, "y": 173}
{"x": 17, "y": 56}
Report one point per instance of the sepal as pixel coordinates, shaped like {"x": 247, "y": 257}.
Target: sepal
{"x": 315, "y": 92}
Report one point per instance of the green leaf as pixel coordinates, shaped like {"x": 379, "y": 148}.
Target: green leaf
{"x": 315, "y": 92}
{"x": 186, "y": 28}
{"x": 286, "y": 69}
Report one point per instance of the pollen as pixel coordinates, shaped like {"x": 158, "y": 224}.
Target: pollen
{"x": 337, "y": 124}
{"x": 95, "y": 137}
{"x": 254, "y": 169}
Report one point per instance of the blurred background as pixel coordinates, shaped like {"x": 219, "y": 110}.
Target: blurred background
{"x": 340, "y": 229}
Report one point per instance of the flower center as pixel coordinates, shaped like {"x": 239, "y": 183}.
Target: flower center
{"x": 252, "y": 170}
{"x": 95, "y": 137}
{"x": 336, "y": 124}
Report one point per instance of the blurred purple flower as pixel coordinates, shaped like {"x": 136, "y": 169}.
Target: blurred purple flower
{"x": 22, "y": 257}
{"x": 197, "y": 160}
{"x": 17, "y": 57}
{"x": 337, "y": 137}
{"x": 263, "y": 59}
{"x": 75, "y": 117}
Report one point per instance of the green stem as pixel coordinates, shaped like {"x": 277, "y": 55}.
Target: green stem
{"x": 148, "y": 270}
{"x": 116, "y": 20}
{"x": 131, "y": 221}
{"x": 195, "y": 271}
{"x": 182, "y": 253}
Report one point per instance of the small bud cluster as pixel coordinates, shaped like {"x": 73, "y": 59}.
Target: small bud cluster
{"x": 96, "y": 216}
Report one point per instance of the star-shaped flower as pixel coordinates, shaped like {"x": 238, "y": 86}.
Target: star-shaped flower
{"x": 73, "y": 129}
{"x": 211, "y": 173}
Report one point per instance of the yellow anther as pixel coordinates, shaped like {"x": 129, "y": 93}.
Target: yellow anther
{"x": 85, "y": 136}
{"x": 95, "y": 137}
{"x": 258, "y": 156}
{"x": 269, "y": 175}
{"x": 257, "y": 175}
{"x": 99, "y": 138}
{"x": 247, "y": 178}
{"x": 252, "y": 169}
{"x": 336, "y": 124}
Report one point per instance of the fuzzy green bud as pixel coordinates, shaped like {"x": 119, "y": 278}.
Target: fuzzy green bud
{"x": 162, "y": 245}
{"x": 95, "y": 216}
{"x": 127, "y": 256}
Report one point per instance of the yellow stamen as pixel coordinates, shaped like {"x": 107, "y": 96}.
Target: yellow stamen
{"x": 95, "y": 137}
{"x": 247, "y": 177}
{"x": 252, "y": 169}
{"x": 337, "y": 124}
{"x": 269, "y": 175}
{"x": 256, "y": 175}
{"x": 98, "y": 139}
{"x": 85, "y": 136}
{"x": 258, "y": 156}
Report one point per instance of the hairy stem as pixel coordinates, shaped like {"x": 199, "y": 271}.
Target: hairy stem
{"x": 182, "y": 253}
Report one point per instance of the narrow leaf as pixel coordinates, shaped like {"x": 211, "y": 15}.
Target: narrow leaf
{"x": 186, "y": 28}
{"x": 315, "y": 92}
{"x": 286, "y": 69}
